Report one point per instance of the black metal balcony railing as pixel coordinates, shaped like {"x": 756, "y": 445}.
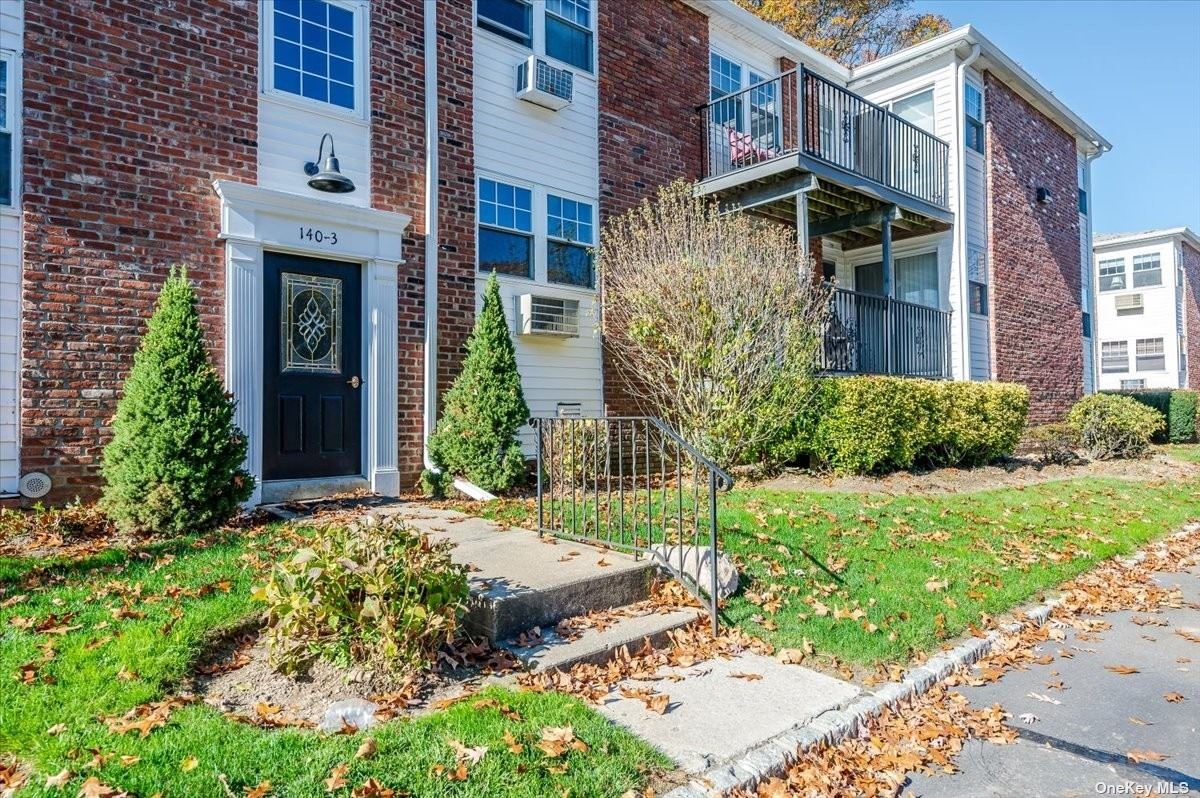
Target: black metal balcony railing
{"x": 802, "y": 112}
{"x": 869, "y": 334}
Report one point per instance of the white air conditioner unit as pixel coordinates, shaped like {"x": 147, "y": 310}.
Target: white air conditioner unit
{"x": 547, "y": 315}
{"x": 1129, "y": 304}
{"x": 544, "y": 85}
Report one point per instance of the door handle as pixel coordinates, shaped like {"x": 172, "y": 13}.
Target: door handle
{"x": 354, "y": 382}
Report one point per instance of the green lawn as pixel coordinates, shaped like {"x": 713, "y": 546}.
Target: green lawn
{"x": 105, "y": 663}
{"x": 1188, "y": 452}
{"x": 914, "y": 571}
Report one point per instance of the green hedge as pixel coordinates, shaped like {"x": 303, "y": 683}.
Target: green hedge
{"x": 1178, "y": 409}
{"x": 872, "y": 425}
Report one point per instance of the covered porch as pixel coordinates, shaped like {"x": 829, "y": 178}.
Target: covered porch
{"x": 852, "y": 177}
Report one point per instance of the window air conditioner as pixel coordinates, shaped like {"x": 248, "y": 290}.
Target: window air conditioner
{"x": 544, "y": 85}
{"x": 544, "y": 315}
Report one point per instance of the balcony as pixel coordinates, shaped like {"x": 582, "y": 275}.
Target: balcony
{"x": 870, "y": 334}
{"x": 858, "y": 165}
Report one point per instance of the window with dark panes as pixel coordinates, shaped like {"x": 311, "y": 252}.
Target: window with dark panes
{"x": 512, "y": 19}
{"x": 569, "y": 237}
{"x": 505, "y": 228}
{"x": 973, "y": 117}
{"x": 313, "y": 51}
{"x": 569, "y": 32}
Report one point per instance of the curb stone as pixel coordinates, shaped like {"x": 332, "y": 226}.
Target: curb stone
{"x": 774, "y": 756}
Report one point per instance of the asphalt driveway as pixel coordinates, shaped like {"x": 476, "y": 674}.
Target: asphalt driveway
{"x": 1080, "y": 741}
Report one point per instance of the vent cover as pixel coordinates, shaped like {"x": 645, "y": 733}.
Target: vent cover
{"x": 544, "y": 85}
{"x": 35, "y": 485}
{"x": 547, "y": 315}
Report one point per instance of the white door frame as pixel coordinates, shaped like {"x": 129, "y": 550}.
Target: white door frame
{"x": 254, "y": 220}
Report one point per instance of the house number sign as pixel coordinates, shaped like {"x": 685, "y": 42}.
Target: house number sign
{"x": 318, "y": 236}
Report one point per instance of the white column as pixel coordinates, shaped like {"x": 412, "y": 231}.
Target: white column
{"x": 382, "y": 313}
{"x": 243, "y": 349}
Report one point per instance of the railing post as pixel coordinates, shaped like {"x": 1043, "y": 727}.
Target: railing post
{"x": 886, "y": 175}
{"x": 538, "y": 434}
{"x": 712, "y": 564}
{"x": 801, "y": 108}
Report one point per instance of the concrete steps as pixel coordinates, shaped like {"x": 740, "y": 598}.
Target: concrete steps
{"x": 599, "y": 646}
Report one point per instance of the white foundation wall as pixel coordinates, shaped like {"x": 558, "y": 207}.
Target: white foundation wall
{"x": 549, "y": 152}
{"x": 12, "y": 29}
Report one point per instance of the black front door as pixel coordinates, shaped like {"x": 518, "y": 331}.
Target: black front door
{"x": 312, "y": 406}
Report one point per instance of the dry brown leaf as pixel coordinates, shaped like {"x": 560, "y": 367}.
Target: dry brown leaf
{"x": 750, "y": 677}
{"x": 337, "y": 777}
{"x": 189, "y": 763}
{"x": 260, "y": 790}
{"x": 1138, "y": 755}
{"x": 511, "y": 743}
{"x": 367, "y": 749}
{"x": 58, "y": 780}
{"x": 1174, "y": 698}
{"x": 1124, "y": 670}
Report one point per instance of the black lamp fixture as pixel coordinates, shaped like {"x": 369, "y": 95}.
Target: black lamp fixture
{"x": 1044, "y": 197}
{"x": 328, "y": 176}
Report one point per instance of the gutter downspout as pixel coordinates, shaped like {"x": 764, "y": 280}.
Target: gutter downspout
{"x": 429, "y": 387}
{"x": 960, "y": 226}
{"x": 1090, "y": 274}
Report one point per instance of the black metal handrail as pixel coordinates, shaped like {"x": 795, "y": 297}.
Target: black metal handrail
{"x": 800, "y": 111}
{"x": 632, "y": 483}
{"x": 871, "y": 334}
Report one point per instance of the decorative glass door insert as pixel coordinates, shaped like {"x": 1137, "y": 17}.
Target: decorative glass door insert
{"x": 311, "y": 329}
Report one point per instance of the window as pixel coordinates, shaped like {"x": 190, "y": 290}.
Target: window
{"x": 1112, "y": 275}
{"x": 1133, "y": 385}
{"x": 828, "y": 271}
{"x": 1130, "y": 305}
{"x": 512, "y": 19}
{"x": 973, "y": 112}
{"x": 977, "y": 280}
{"x": 7, "y": 123}
{"x": 917, "y": 279}
{"x": 313, "y": 51}
{"x": 505, "y": 228}
{"x": 1147, "y": 271}
{"x": 1114, "y": 357}
{"x": 764, "y": 112}
{"x": 917, "y": 109}
{"x": 979, "y": 298}
{"x": 568, "y": 237}
{"x": 725, "y": 77}
{"x": 1083, "y": 202}
{"x": 1150, "y": 355}
{"x": 569, "y": 32}
{"x": 1087, "y": 324}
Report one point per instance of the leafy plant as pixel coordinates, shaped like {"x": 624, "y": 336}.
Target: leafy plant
{"x": 1054, "y": 444}
{"x": 476, "y": 437}
{"x": 175, "y": 461}
{"x": 1183, "y": 419}
{"x": 574, "y": 457}
{"x": 434, "y": 483}
{"x": 373, "y": 592}
{"x": 1113, "y": 426}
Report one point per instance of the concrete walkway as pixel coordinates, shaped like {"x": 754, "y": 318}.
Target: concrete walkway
{"x": 1079, "y": 746}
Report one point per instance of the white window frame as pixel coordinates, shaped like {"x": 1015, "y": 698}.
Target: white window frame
{"x": 1124, "y": 286}
{"x": 931, "y": 90}
{"x": 1124, "y": 346}
{"x": 1133, "y": 384}
{"x": 537, "y": 46}
{"x": 982, "y": 120}
{"x": 1146, "y": 257}
{"x": 590, "y": 244}
{"x": 1160, "y": 353}
{"x": 532, "y": 233}
{"x": 362, "y": 54}
{"x": 13, "y": 128}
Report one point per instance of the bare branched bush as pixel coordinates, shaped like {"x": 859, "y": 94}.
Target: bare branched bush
{"x": 714, "y": 322}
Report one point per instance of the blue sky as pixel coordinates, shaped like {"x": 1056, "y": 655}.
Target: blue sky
{"x": 1132, "y": 70}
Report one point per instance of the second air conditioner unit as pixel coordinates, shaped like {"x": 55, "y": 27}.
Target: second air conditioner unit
{"x": 544, "y": 85}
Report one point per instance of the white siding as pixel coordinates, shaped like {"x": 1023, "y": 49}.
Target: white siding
{"x": 1157, "y": 321}
{"x": 553, "y": 152}
{"x": 12, "y": 27}
{"x": 743, "y": 47}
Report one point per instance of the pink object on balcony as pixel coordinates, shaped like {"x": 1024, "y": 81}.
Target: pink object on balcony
{"x": 742, "y": 149}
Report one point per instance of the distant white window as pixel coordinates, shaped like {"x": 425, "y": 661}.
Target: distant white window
{"x": 1114, "y": 357}
{"x": 8, "y": 120}
{"x": 973, "y": 116}
{"x": 505, "y": 228}
{"x": 315, "y": 50}
{"x": 569, "y": 236}
{"x": 1147, "y": 271}
{"x": 1133, "y": 385}
{"x": 916, "y": 108}
{"x": 1112, "y": 275}
{"x": 1150, "y": 355}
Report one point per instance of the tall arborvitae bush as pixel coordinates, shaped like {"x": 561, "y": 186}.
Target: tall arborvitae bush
{"x": 476, "y": 437}
{"x": 175, "y": 461}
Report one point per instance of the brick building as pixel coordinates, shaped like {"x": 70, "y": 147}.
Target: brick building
{"x": 942, "y": 187}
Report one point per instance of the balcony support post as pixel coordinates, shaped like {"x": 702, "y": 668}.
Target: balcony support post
{"x": 888, "y": 288}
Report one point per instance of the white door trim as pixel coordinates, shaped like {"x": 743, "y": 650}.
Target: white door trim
{"x": 255, "y": 219}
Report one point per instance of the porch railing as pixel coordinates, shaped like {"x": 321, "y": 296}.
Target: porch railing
{"x": 802, "y": 112}
{"x": 632, "y": 484}
{"x": 870, "y": 334}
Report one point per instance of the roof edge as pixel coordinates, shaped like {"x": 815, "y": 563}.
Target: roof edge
{"x": 1125, "y": 239}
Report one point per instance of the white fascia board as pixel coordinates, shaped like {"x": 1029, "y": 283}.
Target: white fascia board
{"x": 997, "y": 61}
{"x": 789, "y": 46}
{"x": 1147, "y": 237}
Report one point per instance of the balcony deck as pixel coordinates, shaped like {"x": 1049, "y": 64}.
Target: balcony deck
{"x": 853, "y": 161}
{"x": 869, "y": 334}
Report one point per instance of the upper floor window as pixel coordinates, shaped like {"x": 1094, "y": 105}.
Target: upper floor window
{"x": 973, "y": 116}
{"x": 567, "y": 25}
{"x": 1150, "y": 354}
{"x": 569, "y": 235}
{"x": 314, "y": 51}
{"x": 505, "y": 228}
{"x": 569, "y": 32}
{"x": 916, "y": 109}
{"x": 1147, "y": 271}
{"x": 1112, "y": 275}
{"x": 7, "y": 122}
{"x": 1114, "y": 357}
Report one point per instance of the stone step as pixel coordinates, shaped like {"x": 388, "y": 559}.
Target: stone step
{"x": 599, "y": 646}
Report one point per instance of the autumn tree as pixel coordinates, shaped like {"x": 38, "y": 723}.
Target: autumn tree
{"x": 850, "y": 31}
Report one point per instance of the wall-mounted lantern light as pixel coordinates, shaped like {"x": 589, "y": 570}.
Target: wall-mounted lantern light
{"x": 1043, "y": 196}
{"x": 328, "y": 176}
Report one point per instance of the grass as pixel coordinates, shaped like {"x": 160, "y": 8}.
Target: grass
{"x": 106, "y": 665}
{"x": 1188, "y": 452}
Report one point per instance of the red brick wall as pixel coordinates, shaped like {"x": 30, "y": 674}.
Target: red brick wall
{"x": 398, "y": 184}
{"x": 653, "y": 71}
{"x": 131, "y": 110}
{"x": 1034, "y": 253}
{"x": 1191, "y": 300}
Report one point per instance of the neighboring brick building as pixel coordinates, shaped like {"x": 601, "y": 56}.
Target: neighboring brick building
{"x": 180, "y": 132}
{"x": 1147, "y": 311}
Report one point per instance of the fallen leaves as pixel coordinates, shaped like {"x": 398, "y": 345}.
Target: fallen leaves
{"x": 58, "y": 780}
{"x": 337, "y": 778}
{"x": 558, "y": 740}
{"x": 1139, "y": 755}
{"x": 750, "y": 677}
{"x": 1123, "y": 670}
{"x": 366, "y": 749}
{"x": 655, "y": 701}
{"x": 146, "y": 717}
{"x": 189, "y": 764}
{"x": 1174, "y": 698}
